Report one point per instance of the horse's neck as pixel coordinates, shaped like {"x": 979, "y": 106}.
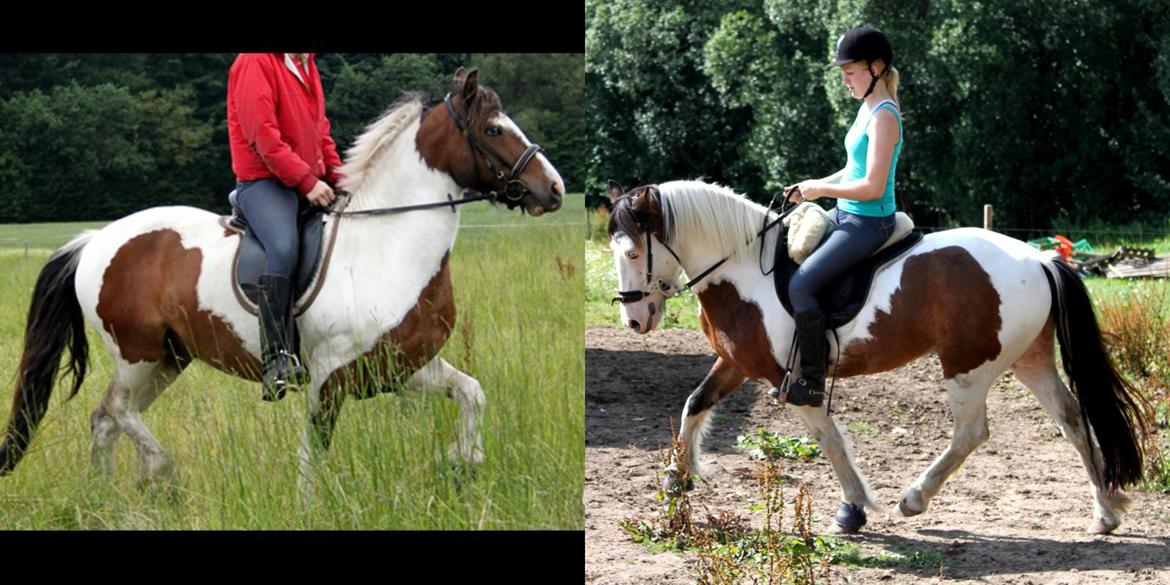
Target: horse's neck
{"x": 399, "y": 176}
{"x": 376, "y": 246}
{"x": 697, "y": 255}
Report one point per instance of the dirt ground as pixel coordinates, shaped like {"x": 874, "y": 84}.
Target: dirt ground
{"x": 1016, "y": 512}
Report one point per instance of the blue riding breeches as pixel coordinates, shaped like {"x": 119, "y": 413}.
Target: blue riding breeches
{"x": 855, "y": 238}
{"x": 271, "y": 210}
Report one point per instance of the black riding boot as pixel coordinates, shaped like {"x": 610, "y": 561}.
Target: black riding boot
{"x": 809, "y": 389}
{"x": 282, "y": 368}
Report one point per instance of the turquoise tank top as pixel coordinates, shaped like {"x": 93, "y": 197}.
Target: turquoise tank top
{"x": 857, "y": 148}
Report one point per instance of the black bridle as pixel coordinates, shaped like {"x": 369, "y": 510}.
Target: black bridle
{"x": 669, "y": 289}
{"x": 512, "y": 194}
{"x": 514, "y": 189}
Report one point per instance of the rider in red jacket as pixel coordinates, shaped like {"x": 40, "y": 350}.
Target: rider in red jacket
{"x": 284, "y": 159}
{"x": 276, "y": 122}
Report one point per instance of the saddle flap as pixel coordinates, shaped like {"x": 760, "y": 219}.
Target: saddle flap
{"x": 250, "y": 261}
{"x": 843, "y": 298}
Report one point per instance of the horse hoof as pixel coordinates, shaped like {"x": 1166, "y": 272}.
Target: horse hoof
{"x": 1102, "y": 526}
{"x": 849, "y": 520}
{"x": 674, "y": 486}
{"x": 908, "y": 509}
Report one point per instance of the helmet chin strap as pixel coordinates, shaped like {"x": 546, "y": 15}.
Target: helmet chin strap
{"x": 873, "y": 83}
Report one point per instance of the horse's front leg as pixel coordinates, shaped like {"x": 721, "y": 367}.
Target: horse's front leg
{"x": 722, "y": 380}
{"x": 856, "y": 495}
{"x": 438, "y": 375}
{"x": 323, "y": 405}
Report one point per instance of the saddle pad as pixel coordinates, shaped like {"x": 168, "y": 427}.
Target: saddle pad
{"x": 842, "y": 298}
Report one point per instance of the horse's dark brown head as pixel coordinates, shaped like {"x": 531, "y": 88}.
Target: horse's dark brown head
{"x": 481, "y": 148}
{"x": 635, "y": 211}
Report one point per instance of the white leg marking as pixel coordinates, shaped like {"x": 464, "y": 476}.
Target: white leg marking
{"x": 835, "y": 443}
{"x": 968, "y": 400}
{"x": 134, "y": 388}
{"x": 439, "y": 375}
{"x": 1056, "y": 398}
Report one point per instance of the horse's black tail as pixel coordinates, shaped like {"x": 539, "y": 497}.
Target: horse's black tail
{"x": 1116, "y": 412}
{"x": 54, "y": 322}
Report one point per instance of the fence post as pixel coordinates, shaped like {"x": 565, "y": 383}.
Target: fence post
{"x": 987, "y": 213}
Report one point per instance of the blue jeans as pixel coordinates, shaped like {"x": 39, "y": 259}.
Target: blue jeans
{"x": 271, "y": 211}
{"x": 855, "y": 238}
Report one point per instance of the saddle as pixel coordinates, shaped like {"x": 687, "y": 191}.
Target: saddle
{"x": 312, "y": 258}
{"x": 842, "y": 299}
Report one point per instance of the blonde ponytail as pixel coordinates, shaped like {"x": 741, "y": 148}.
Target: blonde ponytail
{"x": 891, "y": 78}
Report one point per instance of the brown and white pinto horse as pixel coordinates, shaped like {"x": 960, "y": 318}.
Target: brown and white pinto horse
{"x": 157, "y": 286}
{"x": 982, "y": 301}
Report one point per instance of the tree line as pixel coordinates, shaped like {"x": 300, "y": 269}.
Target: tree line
{"x": 1058, "y": 113}
{"x": 96, "y": 137}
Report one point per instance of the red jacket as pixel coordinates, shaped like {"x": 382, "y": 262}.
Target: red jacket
{"x": 277, "y": 125}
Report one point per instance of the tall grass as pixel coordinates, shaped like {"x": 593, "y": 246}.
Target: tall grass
{"x": 1135, "y": 317}
{"x": 519, "y": 303}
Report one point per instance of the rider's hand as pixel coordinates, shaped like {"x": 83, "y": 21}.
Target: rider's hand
{"x": 322, "y": 194}
{"x": 807, "y": 191}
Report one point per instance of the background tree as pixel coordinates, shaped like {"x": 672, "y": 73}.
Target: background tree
{"x": 95, "y": 137}
{"x": 1057, "y": 113}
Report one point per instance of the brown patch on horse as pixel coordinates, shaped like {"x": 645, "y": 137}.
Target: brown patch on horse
{"x": 148, "y": 289}
{"x": 723, "y": 379}
{"x": 945, "y": 302}
{"x": 443, "y": 148}
{"x": 407, "y": 347}
{"x": 630, "y": 214}
{"x": 735, "y": 329}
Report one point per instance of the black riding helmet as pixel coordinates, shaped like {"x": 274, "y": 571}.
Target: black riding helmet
{"x": 864, "y": 43}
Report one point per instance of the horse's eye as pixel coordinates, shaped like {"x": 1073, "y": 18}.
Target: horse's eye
{"x": 492, "y": 131}
{"x": 632, "y": 254}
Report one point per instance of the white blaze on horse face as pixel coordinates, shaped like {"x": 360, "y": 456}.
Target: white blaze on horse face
{"x": 644, "y": 315}
{"x": 549, "y": 188}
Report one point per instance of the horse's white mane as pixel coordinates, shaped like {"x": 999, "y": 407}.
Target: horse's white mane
{"x": 364, "y": 152}
{"x": 697, "y": 211}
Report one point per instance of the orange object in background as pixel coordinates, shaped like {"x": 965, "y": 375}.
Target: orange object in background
{"x": 1064, "y": 246}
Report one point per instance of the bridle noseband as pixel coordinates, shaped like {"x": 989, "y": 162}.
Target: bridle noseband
{"x": 514, "y": 189}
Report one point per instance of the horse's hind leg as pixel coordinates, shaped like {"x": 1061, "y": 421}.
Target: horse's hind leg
{"x": 131, "y": 392}
{"x": 1037, "y": 370}
{"x": 967, "y": 394}
{"x": 438, "y": 375}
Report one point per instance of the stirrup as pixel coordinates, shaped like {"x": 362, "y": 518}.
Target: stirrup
{"x": 287, "y": 373}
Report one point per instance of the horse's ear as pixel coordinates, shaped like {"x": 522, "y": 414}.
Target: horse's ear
{"x": 460, "y": 73}
{"x": 615, "y": 191}
{"x": 470, "y": 85}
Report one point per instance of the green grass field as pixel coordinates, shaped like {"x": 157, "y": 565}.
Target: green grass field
{"x": 519, "y": 291}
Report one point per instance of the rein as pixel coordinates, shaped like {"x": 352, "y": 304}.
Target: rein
{"x": 513, "y": 192}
